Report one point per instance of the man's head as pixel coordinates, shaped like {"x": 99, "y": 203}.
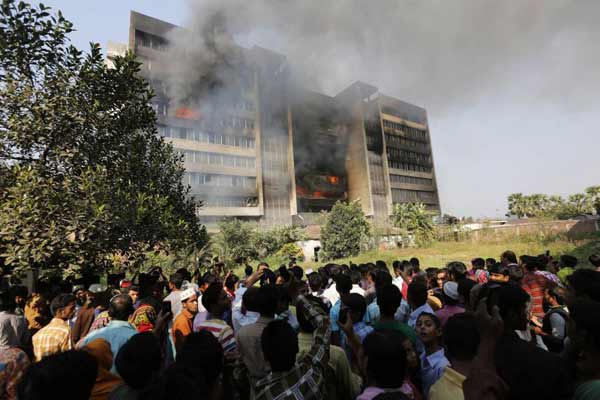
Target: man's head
{"x": 415, "y": 264}
{"x": 206, "y": 280}
{"x": 175, "y": 281}
{"x": 513, "y": 304}
{"x": 343, "y": 284}
{"x": 595, "y": 260}
{"x": 428, "y": 328}
{"x": 248, "y": 270}
{"x": 450, "y": 293}
{"x": 134, "y": 293}
{"x": 63, "y": 306}
{"x": 441, "y": 277}
{"x": 315, "y": 281}
{"x": 231, "y": 282}
{"x": 383, "y": 359}
{"x": 215, "y": 300}
{"x": 417, "y": 295}
{"x": 297, "y": 272}
{"x": 478, "y": 263}
{"x": 268, "y": 297}
{"x": 19, "y": 294}
{"x": 457, "y": 270}
{"x": 382, "y": 278}
{"x": 388, "y": 300}
{"x": 583, "y": 283}
{"x": 189, "y": 301}
{"x": 508, "y": 257}
{"x": 41, "y": 379}
{"x": 138, "y": 361}
{"x": 279, "y": 345}
{"x": 250, "y": 299}
{"x": 553, "y": 297}
{"x": 498, "y": 273}
{"x": 356, "y": 305}
{"x": 461, "y": 337}
{"x": 568, "y": 261}
{"x": 120, "y": 308}
{"x": 489, "y": 262}
{"x": 530, "y": 263}
{"x": 202, "y": 356}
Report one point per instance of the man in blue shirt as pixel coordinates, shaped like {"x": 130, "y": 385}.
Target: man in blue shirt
{"x": 417, "y": 299}
{"x": 118, "y": 331}
{"x": 343, "y": 285}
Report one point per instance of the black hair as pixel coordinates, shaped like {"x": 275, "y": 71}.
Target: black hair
{"x": 176, "y": 280}
{"x": 268, "y": 277}
{"x": 464, "y": 288}
{"x": 267, "y": 300}
{"x": 515, "y": 273}
{"x": 120, "y": 308}
{"x": 415, "y": 263}
{"x": 211, "y": 296}
{"x": 284, "y": 273}
{"x": 386, "y": 364}
{"x": 207, "y": 279}
{"x": 585, "y": 283}
{"x": 434, "y": 318}
{"x": 297, "y": 271}
{"x": 134, "y": 288}
{"x": 382, "y": 278}
{"x": 176, "y": 382}
{"x": 595, "y": 260}
{"x": 498, "y": 269}
{"x": 397, "y": 265}
{"x": 510, "y": 256}
{"x": 355, "y": 277}
{"x": 184, "y": 273}
{"x": 7, "y": 301}
{"x": 248, "y": 270}
{"x": 531, "y": 263}
{"x": 389, "y": 298}
{"x": 343, "y": 284}
{"x": 490, "y": 261}
{"x": 305, "y": 325}
{"x": 41, "y": 379}
{"x": 231, "y": 281}
{"x": 152, "y": 302}
{"x": 202, "y": 356}
{"x": 381, "y": 264}
{"x": 417, "y": 293}
{"x": 315, "y": 281}
{"x": 555, "y": 292}
{"x": 60, "y": 302}
{"x": 509, "y": 298}
{"x": 139, "y": 360}
{"x": 251, "y": 299}
{"x": 568, "y": 261}
{"x": 478, "y": 263}
{"x": 356, "y": 304}
{"x": 586, "y": 315}
{"x": 461, "y": 337}
{"x": 279, "y": 345}
{"x": 457, "y": 270}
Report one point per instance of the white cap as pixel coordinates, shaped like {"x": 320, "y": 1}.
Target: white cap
{"x": 186, "y": 294}
{"x": 451, "y": 290}
{"x": 308, "y": 271}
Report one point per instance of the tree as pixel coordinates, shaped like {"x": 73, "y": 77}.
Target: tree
{"x": 593, "y": 194}
{"x": 415, "y": 219}
{"x": 83, "y": 173}
{"x": 517, "y": 205}
{"x": 345, "y": 232}
{"x": 235, "y": 241}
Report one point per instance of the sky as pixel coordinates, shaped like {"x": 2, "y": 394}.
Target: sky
{"x": 512, "y": 89}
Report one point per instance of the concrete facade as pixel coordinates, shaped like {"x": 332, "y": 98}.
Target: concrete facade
{"x": 278, "y": 155}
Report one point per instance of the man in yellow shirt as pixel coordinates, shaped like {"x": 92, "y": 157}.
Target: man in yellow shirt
{"x": 461, "y": 338}
{"x": 56, "y": 336}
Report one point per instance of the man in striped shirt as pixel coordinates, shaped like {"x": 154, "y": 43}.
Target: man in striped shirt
{"x": 56, "y": 336}
{"x": 217, "y": 303}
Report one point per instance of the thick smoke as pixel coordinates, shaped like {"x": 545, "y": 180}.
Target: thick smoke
{"x": 443, "y": 55}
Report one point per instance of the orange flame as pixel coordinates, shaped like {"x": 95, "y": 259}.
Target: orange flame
{"x": 187, "y": 113}
{"x": 334, "y": 180}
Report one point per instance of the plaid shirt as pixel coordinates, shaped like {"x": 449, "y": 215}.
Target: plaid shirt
{"x": 306, "y": 380}
{"x": 534, "y": 284}
{"x": 53, "y": 338}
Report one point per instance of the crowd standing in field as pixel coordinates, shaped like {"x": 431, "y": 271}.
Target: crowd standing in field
{"x": 519, "y": 328}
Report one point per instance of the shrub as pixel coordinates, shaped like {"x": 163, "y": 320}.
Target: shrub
{"x": 345, "y": 232}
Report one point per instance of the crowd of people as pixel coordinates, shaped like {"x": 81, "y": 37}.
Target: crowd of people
{"x": 517, "y": 328}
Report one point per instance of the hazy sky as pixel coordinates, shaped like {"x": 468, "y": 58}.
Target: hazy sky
{"x": 512, "y": 88}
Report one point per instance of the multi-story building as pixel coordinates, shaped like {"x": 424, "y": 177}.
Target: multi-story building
{"x": 277, "y": 154}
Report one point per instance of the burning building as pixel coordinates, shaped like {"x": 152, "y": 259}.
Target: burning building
{"x": 258, "y": 148}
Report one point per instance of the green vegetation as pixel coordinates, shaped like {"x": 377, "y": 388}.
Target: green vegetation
{"x": 414, "y": 219}
{"x": 85, "y": 181}
{"x": 440, "y": 253}
{"x": 346, "y": 231}
{"x": 556, "y": 207}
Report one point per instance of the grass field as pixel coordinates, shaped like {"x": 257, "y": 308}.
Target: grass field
{"x": 441, "y": 253}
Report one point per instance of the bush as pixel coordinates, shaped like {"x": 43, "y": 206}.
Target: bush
{"x": 346, "y": 231}
{"x": 416, "y": 220}
{"x": 289, "y": 250}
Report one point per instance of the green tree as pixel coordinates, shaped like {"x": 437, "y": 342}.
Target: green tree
{"x": 235, "y": 241}
{"x": 517, "y": 205}
{"x": 416, "y": 220}
{"x": 345, "y": 232}
{"x": 83, "y": 173}
{"x": 593, "y": 193}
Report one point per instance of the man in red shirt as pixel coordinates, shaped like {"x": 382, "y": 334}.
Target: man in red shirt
{"x": 535, "y": 285}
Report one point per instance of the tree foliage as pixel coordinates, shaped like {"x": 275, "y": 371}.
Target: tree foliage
{"x": 345, "y": 232}
{"x": 415, "y": 219}
{"x": 83, "y": 174}
{"x": 543, "y": 206}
